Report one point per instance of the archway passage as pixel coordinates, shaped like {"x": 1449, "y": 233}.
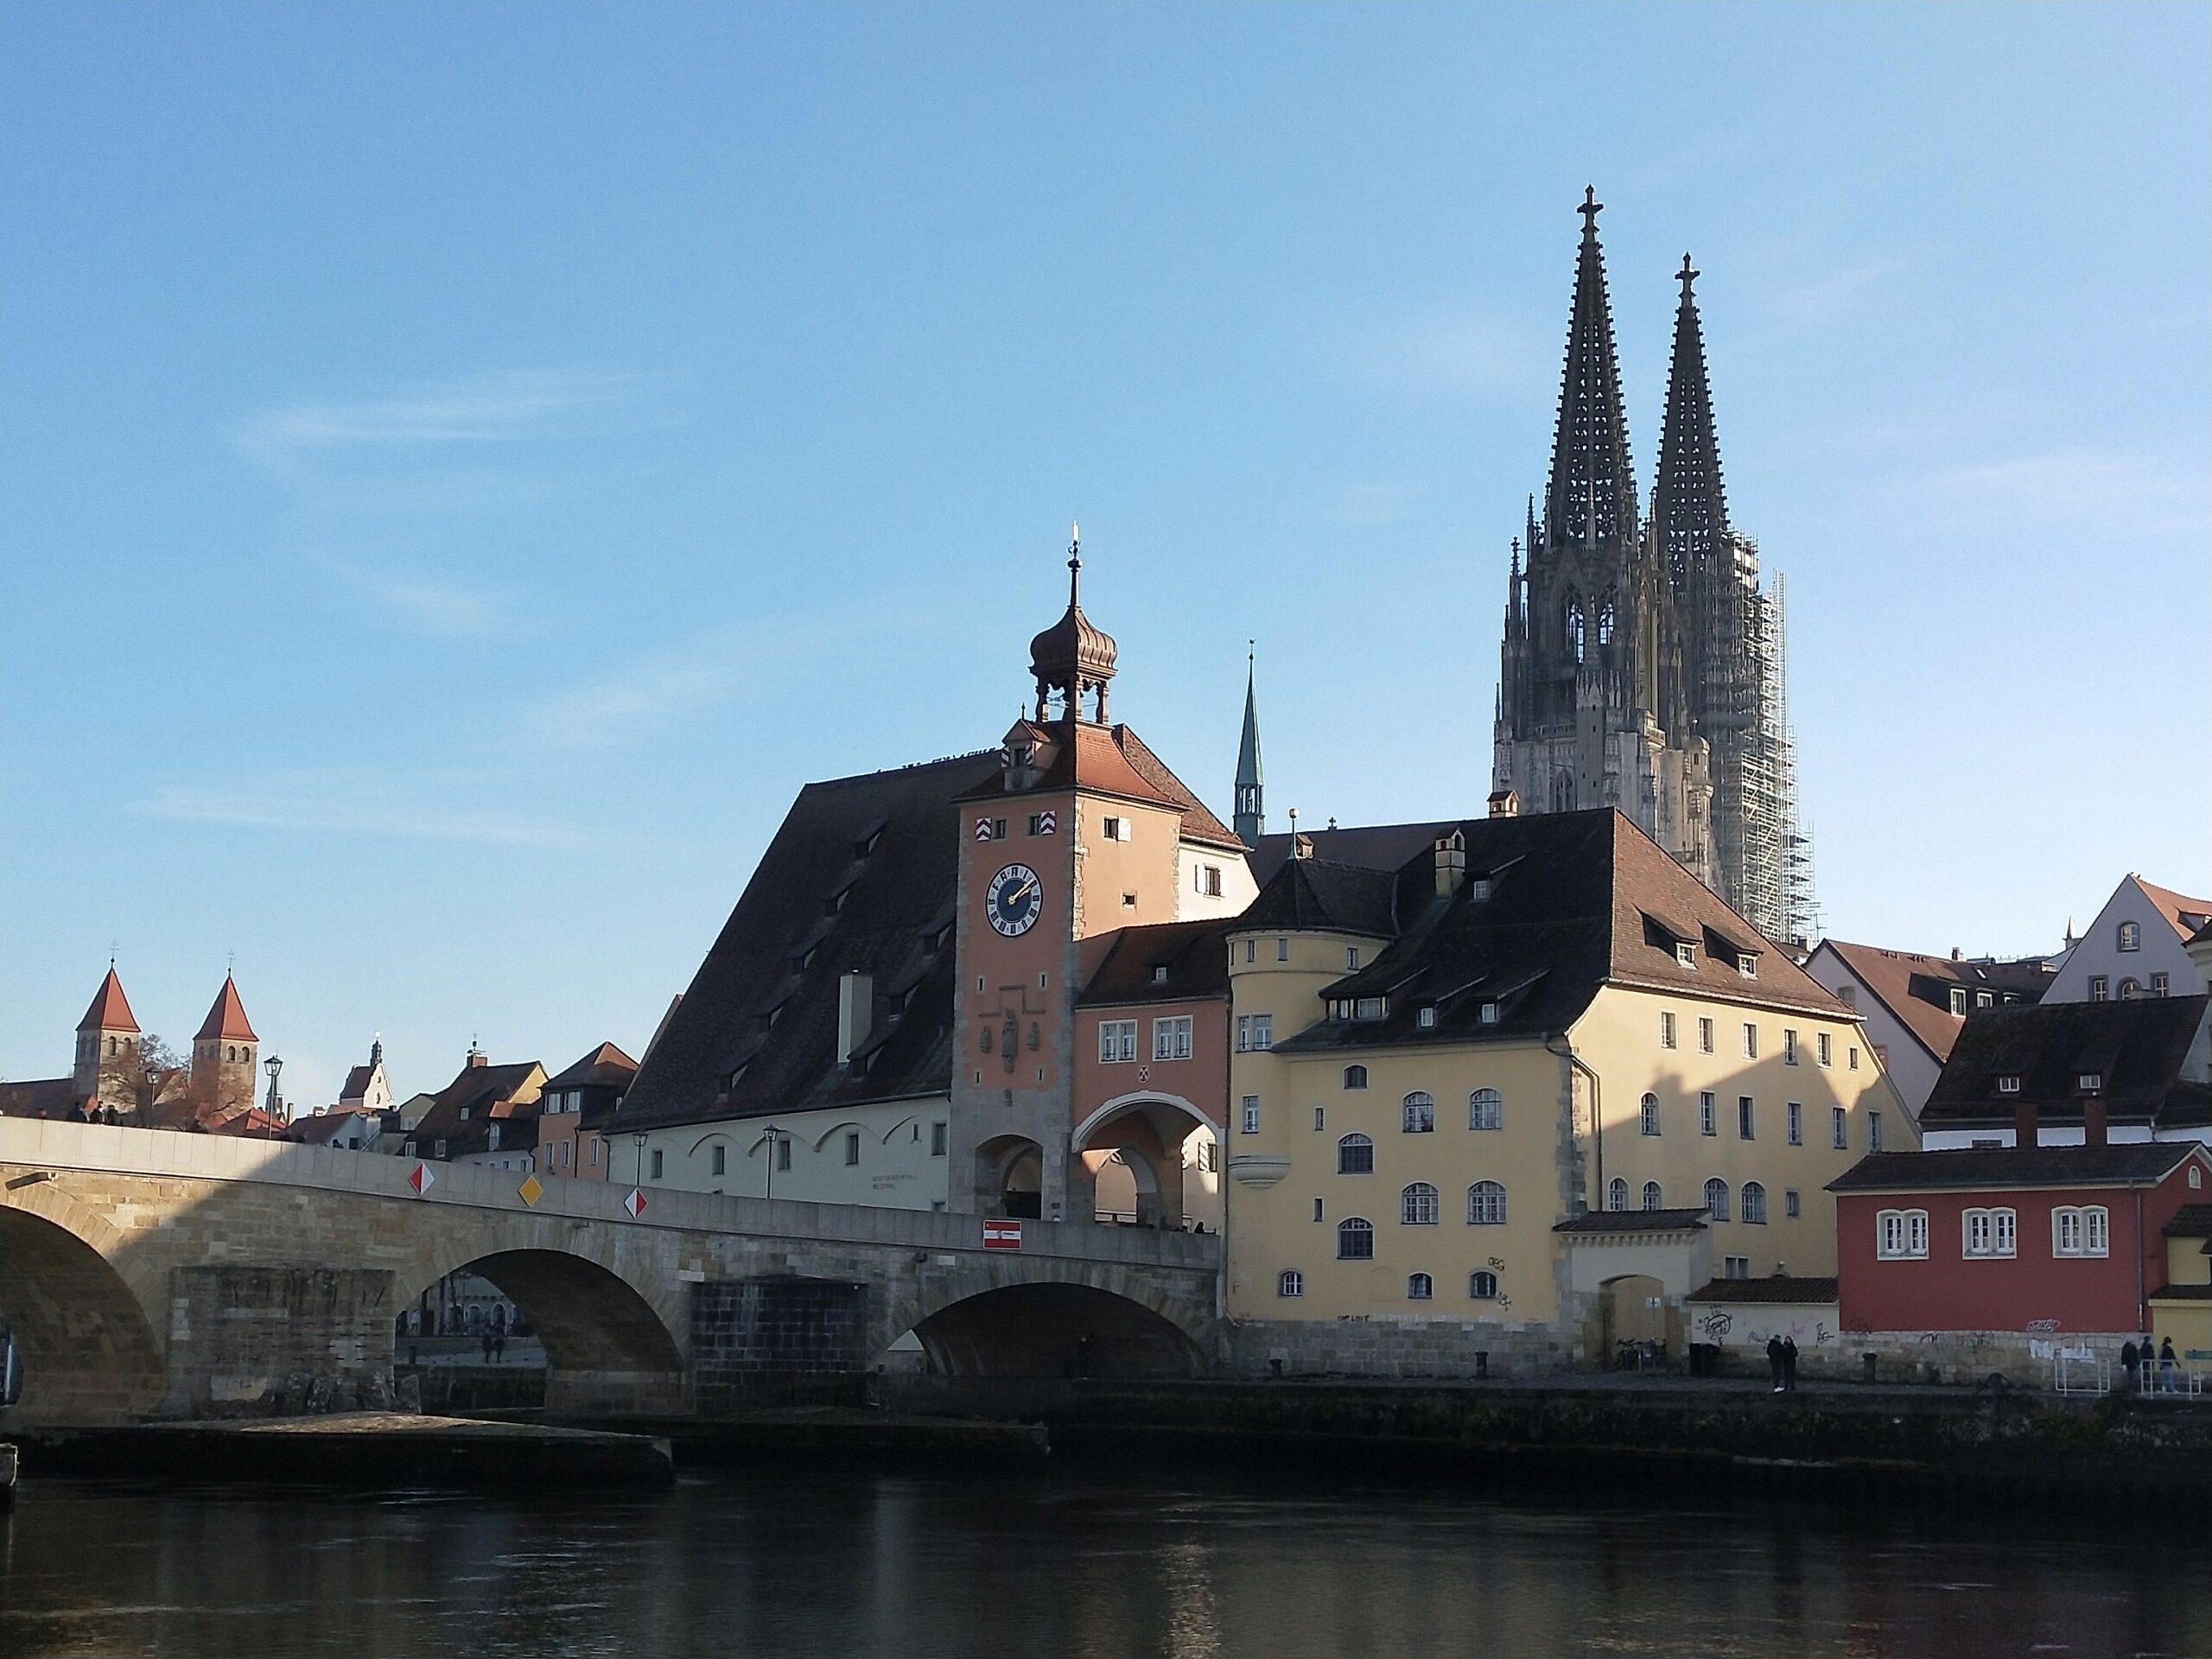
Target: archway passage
{"x": 1636, "y": 1318}
{"x": 1148, "y": 1161}
{"x": 88, "y": 1353}
{"x": 607, "y": 1350}
{"x": 1010, "y": 1177}
{"x": 1052, "y": 1330}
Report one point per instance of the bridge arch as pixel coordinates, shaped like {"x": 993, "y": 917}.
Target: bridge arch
{"x": 90, "y": 1350}
{"x": 1144, "y": 1133}
{"x": 1053, "y": 1317}
{"x": 610, "y": 1346}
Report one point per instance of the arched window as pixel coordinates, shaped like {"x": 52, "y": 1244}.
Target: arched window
{"x": 1355, "y": 1076}
{"x": 1617, "y": 1194}
{"x": 1421, "y": 1112}
{"x": 1716, "y": 1198}
{"x": 1606, "y": 624}
{"x": 1290, "y": 1282}
{"x": 1651, "y": 1196}
{"x": 1486, "y": 1110}
{"x": 2130, "y": 988}
{"x": 1417, "y": 1205}
{"x": 1482, "y": 1285}
{"x": 1354, "y": 1155}
{"x": 1562, "y": 791}
{"x": 1576, "y": 645}
{"x": 1420, "y": 1288}
{"x": 1485, "y": 1205}
{"x": 1355, "y": 1239}
{"x": 1754, "y": 1203}
{"x": 1648, "y": 1119}
{"x": 2131, "y": 936}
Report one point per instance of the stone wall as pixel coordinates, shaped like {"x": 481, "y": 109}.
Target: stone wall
{"x": 250, "y": 1340}
{"x": 1398, "y": 1348}
{"x": 745, "y": 1330}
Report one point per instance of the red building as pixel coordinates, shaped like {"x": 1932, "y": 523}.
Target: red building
{"x": 2034, "y": 1239}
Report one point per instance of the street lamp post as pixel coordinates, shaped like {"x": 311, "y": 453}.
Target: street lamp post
{"x": 775, "y": 1139}
{"x": 640, "y": 1178}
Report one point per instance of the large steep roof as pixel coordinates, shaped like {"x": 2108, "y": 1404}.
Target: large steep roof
{"x": 2136, "y": 1047}
{"x": 226, "y": 1019}
{"x": 1915, "y": 986}
{"x": 111, "y": 1009}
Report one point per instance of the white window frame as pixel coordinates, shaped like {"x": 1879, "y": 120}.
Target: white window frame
{"x": 1290, "y": 1282}
{"x": 1751, "y": 1040}
{"x": 1796, "y": 1125}
{"x": 1666, "y": 1028}
{"x": 1704, "y": 1034}
{"x": 1788, "y": 1046}
{"x": 1616, "y": 1193}
{"x": 1989, "y": 1233}
{"x": 2129, "y": 936}
{"x": 1823, "y": 1048}
{"x": 1751, "y": 1196}
{"x": 1419, "y": 1204}
{"x": 1117, "y": 1041}
{"x": 1708, "y": 1112}
{"x": 1485, "y": 1103}
{"x": 1901, "y": 1236}
{"x": 1716, "y": 1204}
{"x": 1417, "y": 1113}
{"x": 2080, "y": 1231}
{"x": 1648, "y": 1114}
{"x": 1839, "y": 1129}
{"x": 1420, "y": 1288}
{"x": 1653, "y": 1196}
{"x": 1486, "y": 1204}
{"x": 1685, "y": 956}
{"x": 1170, "y": 1037}
{"x": 1248, "y": 1114}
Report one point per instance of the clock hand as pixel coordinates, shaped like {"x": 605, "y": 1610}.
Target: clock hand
{"x": 1023, "y": 888}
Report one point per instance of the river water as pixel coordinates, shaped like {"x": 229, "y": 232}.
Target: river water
{"x": 767, "y": 1565}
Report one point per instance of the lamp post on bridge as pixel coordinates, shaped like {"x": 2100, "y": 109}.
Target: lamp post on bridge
{"x": 774, "y": 1137}
{"x": 638, "y": 1179}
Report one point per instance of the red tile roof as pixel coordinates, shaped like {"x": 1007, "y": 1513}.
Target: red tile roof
{"x": 226, "y": 1019}
{"x": 1890, "y": 975}
{"x": 111, "y": 1009}
{"x": 2185, "y": 914}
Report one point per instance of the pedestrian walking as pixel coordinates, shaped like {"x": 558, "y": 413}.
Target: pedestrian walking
{"x": 1789, "y": 1364}
{"x": 2128, "y": 1359}
{"x": 2166, "y": 1366}
{"x": 1774, "y": 1361}
{"x": 487, "y": 1344}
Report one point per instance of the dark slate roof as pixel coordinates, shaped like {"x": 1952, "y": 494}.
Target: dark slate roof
{"x": 2138, "y": 1046}
{"x": 357, "y": 1083}
{"x": 1577, "y": 901}
{"x": 323, "y": 1128}
{"x": 2190, "y": 1221}
{"x": 1313, "y": 893}
{"x": 898, "y": 899}
{"x": 2181, "y": 1293}
{"x": 1776, "y": 1288}
{"x": 1367, "y": 847}
{"x": 1632, "y": 1221}
{"x": 2136, "y": 1163}
{"x": 1195, "y": 955}
{"x": 38, "y": 1097}
{"x": 605, "y": 1067}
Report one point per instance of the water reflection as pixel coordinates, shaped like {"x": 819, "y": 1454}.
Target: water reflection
{"x": 1092, "y": 1567}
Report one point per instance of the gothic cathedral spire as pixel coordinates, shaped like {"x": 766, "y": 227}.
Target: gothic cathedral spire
{"x": 1690, "y": 509}
{"x": 1591, "y": 497}
{"x": 1251, "y": 816}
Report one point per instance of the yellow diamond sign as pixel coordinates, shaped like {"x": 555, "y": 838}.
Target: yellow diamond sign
{"x": 531, "y": 1191}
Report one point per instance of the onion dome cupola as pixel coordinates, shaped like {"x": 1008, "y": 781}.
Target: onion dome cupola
{"x": 1073, "y": 657}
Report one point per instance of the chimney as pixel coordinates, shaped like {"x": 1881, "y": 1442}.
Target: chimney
{"x": 1450, "y": 864}
{"x": 855, "y": 1014}
{"x": 476, "y": 1057}
{"x": 1957, "y": 953}
{"x": 2024, "y": 1124}
{"x": 1504, "y": 803}
{"x": 1301, "y": 845}
{"x": 2093, "y": 1121}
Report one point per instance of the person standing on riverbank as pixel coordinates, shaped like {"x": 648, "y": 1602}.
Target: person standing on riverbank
{"x": 1789, "y": 1364}
{"x": 1774, "y": 1361}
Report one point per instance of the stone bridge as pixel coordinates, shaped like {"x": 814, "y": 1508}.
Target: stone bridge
{"x": 147, "y": 1273}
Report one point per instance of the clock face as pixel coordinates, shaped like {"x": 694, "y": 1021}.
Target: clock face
{"x": 1013, "y": 899}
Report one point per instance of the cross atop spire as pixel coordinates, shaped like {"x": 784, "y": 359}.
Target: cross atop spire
{"x": 1685, "y": 275}
{"x": 1073, "y": 657}
{"x": 1591, "y": 495}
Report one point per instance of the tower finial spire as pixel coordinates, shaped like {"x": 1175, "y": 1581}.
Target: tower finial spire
{"x": 1689, "y": 507}
{"x": 1251, "y": 819}
{"x": 1075, "y": 560}
{"x": 1072, "y": 656}
{"x": 1590, "y": 498}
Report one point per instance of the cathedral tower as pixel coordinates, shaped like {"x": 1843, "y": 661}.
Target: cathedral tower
{"x": 107, "y": 1049}
{"x": 224, "y": 1055}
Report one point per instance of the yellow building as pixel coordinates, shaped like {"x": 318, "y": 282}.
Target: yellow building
{"x": 1516, "y": 1087}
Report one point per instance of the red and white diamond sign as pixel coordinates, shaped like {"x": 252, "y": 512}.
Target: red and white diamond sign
{"x": 635, "y": 1203}
{"x": 421, "y": 1180}
{"x": 1001, "y": 1235}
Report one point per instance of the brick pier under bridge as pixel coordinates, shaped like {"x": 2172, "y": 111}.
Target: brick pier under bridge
{"x": 149, "y": 1274}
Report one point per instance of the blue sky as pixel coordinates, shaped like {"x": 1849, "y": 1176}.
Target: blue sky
{"x": 464, "y": 467}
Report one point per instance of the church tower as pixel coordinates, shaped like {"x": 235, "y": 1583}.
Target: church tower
{"x": 1591, "y": 706}
{"x": 1251, "y": 819}
{"x": 224, "y": 1055}
{"x": 107, "y": 1049}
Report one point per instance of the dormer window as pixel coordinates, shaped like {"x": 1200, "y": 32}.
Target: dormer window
{"x": 1984, "y": 999}
{"x": 1958, "y": 1001}
{"x": 464, "y": 1114}
{"x": 1371, "y": 1007}
{"x": 2008, "y": 1082}
{"x": 1159, "y": 975}
{"x": 2131, "y": 936}
{"x": 1426, "y": 1019}
{"x": 1479, "y": 888}
{"x": 1747, "y": 964}
{"x": 1686, "y": 954}
{"x": 1489, "y": 1013}
{"x": 2090, "y": 1083}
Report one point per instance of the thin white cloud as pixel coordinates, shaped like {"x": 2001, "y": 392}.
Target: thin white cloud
{"x": 2155, "y": 492}
{"x": 1369, "y": 504}
{"x": 352, "y": 804}
{"x": 654, "y": 690}
{"x": 439, "y": 610}
{"x": 500, "y": 405}
{"x": 1458, "y": 353}
{"x": 1824, "y": 298}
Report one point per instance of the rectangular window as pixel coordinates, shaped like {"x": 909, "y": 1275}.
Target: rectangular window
{"x": 1369, "y": 1007}
{"x": 1282, "y": 949}
{"x": 1705, "y": 1036}
{"x": 1789, "y": 1047}
{"x": 1744, "y": 1113}
{"x": 595, "y": 1154}
{"x": 1114, "y": 829}
{"x": 1854, "y": 1057}
{"x": 1707, "y": 1110}
{"x": 1901, "y": 1235}
{"x": 1751, "y": 1041}
{"x": 721, "y": 1159}
{"x": 1251, "y": 950}
{"x": 1317, "y": 1210}
{"x": 852, "y": 1149}
{"x": 2100, "y": 988}
{"x": 1171, "y": 1038}
{"x": 1211, "y": 884}
{"x": 1208, "y": 1157}
{"x": 1263, "y": 1031}
{"x": 1667, "y": 1028}
{"x": 657, "y": 1163}
{"x": 1839, "y": 1129}
{"x": 1796, "y": 1123}
{"x": 2159, "y": 983}
{"x": 1043, "y": 823}
{"x": 1351, "y": 958}
{"x": 1821, "y": 1051}
{"x": 1424, "y": 1018}
{"x": 938, "y": 1132}
{"x": 2008, "y": 1083}
{"x": 1319, "y": 1118}
{"x": 1736, "y": 1267}
{"x": 1790, "y": 1204}
{"x": 1873, "y": 1131}
{"x": 1747, "y": 964}
{"x": 1117, "y": 1040}
{"x": 1685, "y": 955}
{"x": 1959, "y": 1000}
{"x": 1251, "y": 1114}
{"x": 783, "y": 1156}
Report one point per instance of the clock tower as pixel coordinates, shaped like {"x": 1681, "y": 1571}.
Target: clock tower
{"x": 1080, "y": 835}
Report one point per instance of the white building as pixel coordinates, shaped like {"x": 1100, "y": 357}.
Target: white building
{"x": 2138, "y": 946}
